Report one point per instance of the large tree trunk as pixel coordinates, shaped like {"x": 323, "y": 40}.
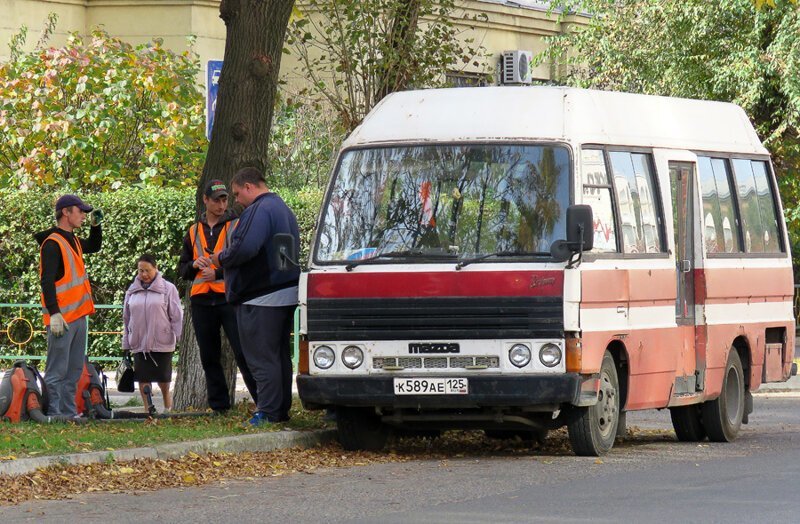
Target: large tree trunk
{"x": 255, "y": 30}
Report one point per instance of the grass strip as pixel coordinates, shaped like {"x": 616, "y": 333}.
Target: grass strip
{"x": 29, "y": 439}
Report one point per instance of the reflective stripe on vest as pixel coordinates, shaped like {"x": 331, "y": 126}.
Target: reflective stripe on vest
{"x": 198, "y": 239}
{"x": 73, "y": 291}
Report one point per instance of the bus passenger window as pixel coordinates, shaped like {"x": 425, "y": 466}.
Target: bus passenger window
{"x": 597, "y": 193}
{"x": 636, "y": 197}
{"x": 757, "y": 202}
{"x": 766, "y": 203}
{"x": 720, "y": 233}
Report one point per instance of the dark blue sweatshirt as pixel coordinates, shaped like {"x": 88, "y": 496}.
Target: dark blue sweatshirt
{"x": 247, "y": 261}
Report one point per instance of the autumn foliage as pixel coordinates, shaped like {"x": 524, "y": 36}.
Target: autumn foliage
{"x": 99, "y": 113}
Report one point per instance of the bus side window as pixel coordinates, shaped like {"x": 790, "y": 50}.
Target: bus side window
{"x": 757, "y": 201}
{"x": 766, "y": 203}
{"x": 721, "y": 230}
{"x": 636, "y": 197}
{"x": 597, "y": 193}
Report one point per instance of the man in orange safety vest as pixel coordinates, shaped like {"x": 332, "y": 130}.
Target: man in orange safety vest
{"x": 66, "y": 297}
{"x": 210, "y": 310}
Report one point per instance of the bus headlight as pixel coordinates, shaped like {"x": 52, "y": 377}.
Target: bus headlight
{"x": 324, "y": 357}
{"x": 550, "y": 355}
{"x": 519, "y": 355}
{"x": 352, "y": 356}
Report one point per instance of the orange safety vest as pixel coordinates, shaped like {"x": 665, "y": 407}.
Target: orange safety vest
{"x": 198, "y": 239}
{"x": 73, "y": 291}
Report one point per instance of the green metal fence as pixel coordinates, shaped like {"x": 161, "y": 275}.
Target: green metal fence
{"x": 21, "y": 327}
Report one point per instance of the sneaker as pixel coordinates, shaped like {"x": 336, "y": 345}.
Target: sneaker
{"x": 259, "y": 418}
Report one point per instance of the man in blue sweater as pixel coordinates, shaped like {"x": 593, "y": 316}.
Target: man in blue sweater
{"x": 264, "y": 297}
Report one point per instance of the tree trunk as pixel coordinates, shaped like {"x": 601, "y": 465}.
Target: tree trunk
{"x": 255, "y": 30}
{"x": 401, "y": 38}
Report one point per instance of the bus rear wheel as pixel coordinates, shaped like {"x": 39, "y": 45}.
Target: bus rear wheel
{"x": 723, "y": 416}
{"x": 593, "y": 429}
{"x": 688, "y": 423}
{"x": 360, "y": 430}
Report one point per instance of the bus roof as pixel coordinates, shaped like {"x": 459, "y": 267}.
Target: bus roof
{"x": 558, "y": 113}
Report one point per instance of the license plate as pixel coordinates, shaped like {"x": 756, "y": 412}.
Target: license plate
{"x": 430, "y": 386}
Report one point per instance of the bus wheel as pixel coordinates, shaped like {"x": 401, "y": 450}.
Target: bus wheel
{"x": 593, "y": 428}
{"x": 722, "y": 417}
{"x": 688, "y": 423}
{"x": 360, "y": 430}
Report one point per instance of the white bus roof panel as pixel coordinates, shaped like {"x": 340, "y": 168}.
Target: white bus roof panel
{"x": 558, "y": 113}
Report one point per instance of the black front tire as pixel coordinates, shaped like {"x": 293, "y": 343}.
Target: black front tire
{"x": 360, "y": 430}
{"x": 593, "y": 429}
{"x": 723, "y": 416}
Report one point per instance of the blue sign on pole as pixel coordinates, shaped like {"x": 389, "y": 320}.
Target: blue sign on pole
{"x": 213, "y": 71}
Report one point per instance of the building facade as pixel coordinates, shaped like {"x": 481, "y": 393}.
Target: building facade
{"x": 519, "y": 25}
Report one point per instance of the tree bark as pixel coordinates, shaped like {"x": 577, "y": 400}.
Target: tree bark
{"x": 405, "y": 22}
{"x": 255, "y": 31}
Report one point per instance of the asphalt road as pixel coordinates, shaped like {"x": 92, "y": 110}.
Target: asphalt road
{"x": 649, "y": 478}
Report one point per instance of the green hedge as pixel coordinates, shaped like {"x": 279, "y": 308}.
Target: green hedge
{"x": 136, "y": 221}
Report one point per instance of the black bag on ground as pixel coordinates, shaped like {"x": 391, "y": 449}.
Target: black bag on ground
{"x": 125, "y": 374}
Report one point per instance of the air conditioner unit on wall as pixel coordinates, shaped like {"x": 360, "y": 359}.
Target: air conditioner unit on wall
{"x": 517, "y": 67}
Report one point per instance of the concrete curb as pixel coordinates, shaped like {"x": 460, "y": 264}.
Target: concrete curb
{"x": 266, "y": 441}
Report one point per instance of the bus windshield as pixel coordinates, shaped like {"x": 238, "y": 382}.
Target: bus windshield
{"x": 446, "y": 202}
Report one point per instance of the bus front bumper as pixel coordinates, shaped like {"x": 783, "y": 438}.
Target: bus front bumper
{"x": 483, "y": 391}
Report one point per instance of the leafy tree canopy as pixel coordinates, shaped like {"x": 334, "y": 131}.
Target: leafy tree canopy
{"x": 742, "y": 51}
{"x": 355, "y": 52}
{"x": 99, "y": 113}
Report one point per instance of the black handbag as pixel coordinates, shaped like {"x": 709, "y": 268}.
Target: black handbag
{"x": 125, "y": 374}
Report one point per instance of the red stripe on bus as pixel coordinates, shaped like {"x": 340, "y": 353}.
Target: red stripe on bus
{"x": 436, "y": 284}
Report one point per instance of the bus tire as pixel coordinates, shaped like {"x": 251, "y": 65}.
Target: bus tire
{"x": 593, "y": 429}
{"x": 360, "y": 430}
{"x": 723, "y": 416}
{"x": 688, "y": 423}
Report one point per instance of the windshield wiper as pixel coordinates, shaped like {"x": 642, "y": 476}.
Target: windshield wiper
{"x": 469, "y": 261}
{"x": 405, "y": 253}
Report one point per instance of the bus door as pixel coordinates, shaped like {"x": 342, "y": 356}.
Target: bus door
{"x": 690, "y": 365}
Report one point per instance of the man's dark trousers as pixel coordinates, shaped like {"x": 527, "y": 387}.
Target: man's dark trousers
{"x": 266, "y": 342}
{"x": 207, "y": 321}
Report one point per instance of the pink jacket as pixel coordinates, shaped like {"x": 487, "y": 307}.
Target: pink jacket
{"x": 152, "y": 317}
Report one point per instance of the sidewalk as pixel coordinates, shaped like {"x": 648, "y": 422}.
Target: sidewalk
{"x": 263, "y": 441}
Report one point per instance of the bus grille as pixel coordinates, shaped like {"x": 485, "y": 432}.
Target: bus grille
{"x": 435, "y": 319}
{"x": 462, "y": 362}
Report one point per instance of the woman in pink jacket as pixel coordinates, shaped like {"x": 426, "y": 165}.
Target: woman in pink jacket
{"x": 153, "y": 321}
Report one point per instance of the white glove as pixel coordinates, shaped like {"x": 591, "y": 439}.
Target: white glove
{"x": 58, "y": 325}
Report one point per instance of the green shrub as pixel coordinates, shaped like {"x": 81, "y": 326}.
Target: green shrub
{"x": 136, "y": 221}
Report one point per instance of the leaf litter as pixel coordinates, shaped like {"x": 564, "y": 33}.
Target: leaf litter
{"x": 143, "y": 475}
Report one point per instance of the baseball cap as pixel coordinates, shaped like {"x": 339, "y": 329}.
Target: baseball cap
{"x": 215, "y": 189}
{"x": 72, "y": 200}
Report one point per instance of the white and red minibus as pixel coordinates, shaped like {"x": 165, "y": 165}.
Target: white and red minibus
{"x": 519, "y": 259}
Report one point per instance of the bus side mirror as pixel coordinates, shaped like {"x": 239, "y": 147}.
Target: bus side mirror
{"x": 284, "y": 251}
{"x": 580, "y": 235}
{"x": 580, "y": 226}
